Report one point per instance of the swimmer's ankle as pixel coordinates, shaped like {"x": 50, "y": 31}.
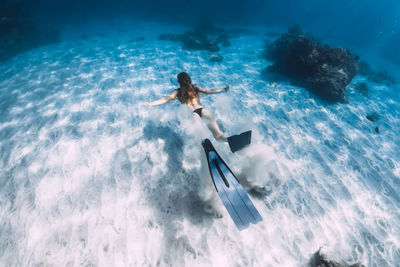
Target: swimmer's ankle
{"x": 222, "y": 138}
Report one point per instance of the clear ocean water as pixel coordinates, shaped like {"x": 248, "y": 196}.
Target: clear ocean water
{"x": 91, "y": 177}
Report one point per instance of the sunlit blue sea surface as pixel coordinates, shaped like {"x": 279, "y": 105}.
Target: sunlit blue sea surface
{"x": 90, "y": 176}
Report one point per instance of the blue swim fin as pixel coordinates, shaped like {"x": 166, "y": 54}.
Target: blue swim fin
{"x": 232, "y": 194}
{"x": 240, "y": 141}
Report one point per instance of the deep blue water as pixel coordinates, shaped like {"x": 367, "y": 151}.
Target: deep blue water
{"x": 90, "y": 176}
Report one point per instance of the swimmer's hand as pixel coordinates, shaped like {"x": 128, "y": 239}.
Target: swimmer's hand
{"x": 226, "y": 89}
{"x": 147, "y": 104}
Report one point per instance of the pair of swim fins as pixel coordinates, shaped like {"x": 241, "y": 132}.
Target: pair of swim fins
{"x": 233, "y": 196}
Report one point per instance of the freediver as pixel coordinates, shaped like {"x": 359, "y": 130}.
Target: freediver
{"x": 188, "y": 94}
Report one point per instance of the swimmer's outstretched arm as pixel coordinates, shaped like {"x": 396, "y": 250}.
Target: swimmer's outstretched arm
{"x": 162, "y": 100}
{"x": 212, "y": 91}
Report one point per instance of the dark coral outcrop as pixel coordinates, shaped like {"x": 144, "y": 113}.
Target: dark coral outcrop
{"x": 324, "y": 70}
{"x": 319, "y": 259}
{"x": 215, "y": 58}
{"x": 204, "y": 36}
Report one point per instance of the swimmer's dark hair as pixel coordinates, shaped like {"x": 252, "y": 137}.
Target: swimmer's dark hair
{"x": 186, "y": 90}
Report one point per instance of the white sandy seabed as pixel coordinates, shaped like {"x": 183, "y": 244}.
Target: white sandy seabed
{"x": 90, "y": 177}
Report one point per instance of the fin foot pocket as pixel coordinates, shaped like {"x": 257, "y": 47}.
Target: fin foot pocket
{"x": 239, "y": 141}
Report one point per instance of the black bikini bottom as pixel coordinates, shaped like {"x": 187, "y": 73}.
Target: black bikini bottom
{"x": 198, "y": 111}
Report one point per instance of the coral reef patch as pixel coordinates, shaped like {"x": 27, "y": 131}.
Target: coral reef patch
{"x": 324, "y": 70}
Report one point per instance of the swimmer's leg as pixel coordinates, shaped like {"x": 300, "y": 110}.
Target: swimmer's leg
{"x": 213, "y": 126}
